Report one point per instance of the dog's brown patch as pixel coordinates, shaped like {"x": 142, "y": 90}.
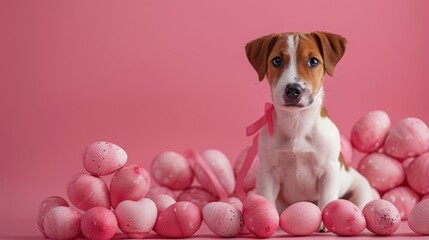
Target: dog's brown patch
{"x": 343, "y": 162}
{"x": 324, "y": 112}
{"x": 280, "y": 49}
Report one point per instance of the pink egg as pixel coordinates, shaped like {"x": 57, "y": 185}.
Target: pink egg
{"x": 346, "y": 149}
{"x": 369, "y": 132}
{"x": 382, "y": 171}
{"x": 223, "y": 219}
{"x": 162, "y": 202}
{"x": 425, "y": 197}
{"x": 136, "y": 218}
{"x": 418, "y": 174}
{"x": 197, "y": 196}
{"x": 44, "y": 207}
{"x": 418, "y": 220}
{"x": 86, "y": 191}
{"x": 301, "y": 219}
{"x": 407, "y": 162}
{"x": 99, "y": 223}
{"x": 131, "y": 182}
{"x": 221, "y": 167}
{"x": 260, "y": 216}
{"x": 250, "y": 179}
{"x": 62, "y": 223}
{"x": 236, "y": 202}
{"x": 344, "y": 218}
{"x": 179, "y": 220}
{"x": 172, "y": 170}
{"x": 382, "y": 217}
{"x": 156, "y": 190}
{"x": 404, "y": 199}
{"x": 408, "y": 139}
{"x": 103, "y": 158}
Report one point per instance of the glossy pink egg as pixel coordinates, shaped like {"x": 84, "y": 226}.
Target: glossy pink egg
{"x": 45, "y": 206}
{"x": 131, "y": 182}
{"x": 404, "y": 199}
{"x": 179, "y": 220}
{"x": 343, "y": 218}
{"x": 301, "y": 219}
{"x": 381, "y": 171}
{"x": 223, "y": 219}
{"x": 408, "y": 139}
{"x": 162, "y": 202}
{"x": 418, "y": 174}
{"x": 346, "y": 149}
{"x": 369, "y": 132}
{"x": 172, "y": 170}
{"x": 103, "y": 158}
{"x": 418, "y": 220}
{"x": 260, "y": 216}
{"x": 99, "y": 223}
{"x": 62, "y": 223}
{"x": 86, "y": 191}
{"x": 382, "y": 217}
{"x": 221, "y": 167}
{"x": 250, "y": 179}
{"x": 136, "y": 218}
{"x": 197, "y": 195}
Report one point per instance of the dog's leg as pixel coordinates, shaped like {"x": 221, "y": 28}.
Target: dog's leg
{"x": 266, "y": 183}
{"x": 329, "y": 187}
{"x": 360, "y": 190}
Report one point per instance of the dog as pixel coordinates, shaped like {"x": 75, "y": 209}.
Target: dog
{"x": 302, "y": 160}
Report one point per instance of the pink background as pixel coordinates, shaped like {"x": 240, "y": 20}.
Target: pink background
{"x": 170, "y": 75}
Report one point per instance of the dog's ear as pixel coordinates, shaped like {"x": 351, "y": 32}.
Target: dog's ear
{"x": 332, "y": 47}
{"x": 257, "y": 52}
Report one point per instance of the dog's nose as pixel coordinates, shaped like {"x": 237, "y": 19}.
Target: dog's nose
{"x": 293, "y": 91}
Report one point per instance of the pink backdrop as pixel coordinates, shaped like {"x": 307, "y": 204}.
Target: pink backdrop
{"x": 154, "y": 75}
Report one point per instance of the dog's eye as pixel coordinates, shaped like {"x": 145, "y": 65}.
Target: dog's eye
{"x": 277, "y": 62}
{"x": 313, "y": 62}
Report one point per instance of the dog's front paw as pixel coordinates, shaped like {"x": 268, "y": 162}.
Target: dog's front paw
{"x": 322, "y": 228}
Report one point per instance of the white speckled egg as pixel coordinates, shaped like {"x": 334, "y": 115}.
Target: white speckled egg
{"x": 223, "y": 219}
{"x": 103, "y": 158}
{"x": 382, "y": 217}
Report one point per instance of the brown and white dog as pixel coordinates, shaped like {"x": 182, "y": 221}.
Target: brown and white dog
{"x": 302, "y": 161}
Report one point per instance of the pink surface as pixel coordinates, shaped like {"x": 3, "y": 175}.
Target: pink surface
{"x": 153, "y": 76}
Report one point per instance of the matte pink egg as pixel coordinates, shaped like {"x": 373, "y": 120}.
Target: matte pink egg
{"x": 369, "y": 132}
{"x": 418, "y": 220}
{"x": 260, "y": 216}
{"x": 172, "y": 170}
{"x": 162, "y": 201}
{"x": 250, "y": 178}
{"x": 156, "y": 190}
{"x": 99, "y": 223}
{"x": 62, "y": 223}
{"x": 301, "y": 219}
{"x": 103, "y": 158}
{"x": 131, "y": 182}
{"x": 408, "y": 139}
{"x": 86, "y": 191}
{"x": 404, "y": 199}
{"x": 381, "y": 171}
{"x": 197, "y": 195}
{"x": 46, "y": 205}
{"x": 382, "y": 217}
{"x": 346, "y": 149}
{"x": 223, "y": 219}
{"x": 418, "y": 174}
{"x": 221, "y": 167}
{"x": 344, "y": 218}
{"x": 136, "y": 218}
{"x": 179, "y": 220}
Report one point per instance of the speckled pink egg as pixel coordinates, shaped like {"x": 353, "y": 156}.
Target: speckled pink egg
{"x": 62, "y": 223}
{"x": 86, "y": 191}
{"x": 156, "y": 190}
{"x": 418, "y": 174}
{"x": 172, "y": 170}
{"x": 103, "y": 158}
{"x": 301, "y": 219}
{"x": 162, "y": 202}
{"x": 381, "y": 171}
{"x": 179, "y": 220}
{"x": 346, "y": 149}
{"x": 250, "y": 178}
{"x": 408, "y": 139}
{"x": 131, "y": 182}
{"x": 404, "y": 199}
{"x": 382, "y": 217}
{"x": 221, "y": 167}
{"x": 418, "y": 220}
{"x": 223, "y": 219}
{"x": 197, "y": 196}
{"x": 99, "y": 223}
{"x": 260, "y": 216}
{"x": 369, "y": 132}
{"x": 344, "y": 218}
{"x": 136, "y": 218}
{"x": 44, "y": 207}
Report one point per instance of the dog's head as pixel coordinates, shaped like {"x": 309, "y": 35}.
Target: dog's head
{"x": 295, "y": 64}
